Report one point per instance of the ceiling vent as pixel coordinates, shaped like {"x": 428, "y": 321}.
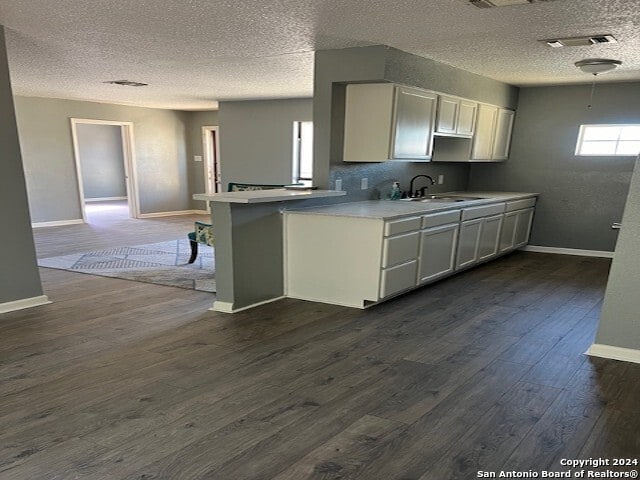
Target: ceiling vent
{"x": 127, "y": 83}
{"x": 580, "y": 41}
{"x": 502, "y": 3}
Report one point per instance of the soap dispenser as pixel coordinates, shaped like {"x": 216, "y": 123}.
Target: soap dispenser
{"x": 395, "y": 191}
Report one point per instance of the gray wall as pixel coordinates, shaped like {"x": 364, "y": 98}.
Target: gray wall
{"x": 45, "y": 135}
{"x": 101, "y": 160}
{"x": 580, "y": 196}
{"x": 619, "y": 325}
{"x": 335, "y": 68}
{"x": 256, "y": 139}
{"x": 19, "y": 276}
{"x": 197, "y": 120}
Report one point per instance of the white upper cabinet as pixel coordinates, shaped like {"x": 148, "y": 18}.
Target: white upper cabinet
{"x": 466, "y": 118}
{"x": 456, "y": 116}
{"x": 502, "y": 136}
{"x": 384, "y": 121}
{"x": 493, "y": 134}
{"x": 368, "y": 118}
{"x": 388, "y": 122}
{"x": 415, "y": 114}
{"x": 485, "y": 126}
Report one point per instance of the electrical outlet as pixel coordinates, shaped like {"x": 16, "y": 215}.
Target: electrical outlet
{"x": 338, "y": 184}
{"x": 364, "y": 183}
{"x": 197, "y": 158}
{"x": 440, "y": 179}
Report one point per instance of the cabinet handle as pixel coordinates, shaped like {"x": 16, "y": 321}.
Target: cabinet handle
{"x": 616, "y": 226}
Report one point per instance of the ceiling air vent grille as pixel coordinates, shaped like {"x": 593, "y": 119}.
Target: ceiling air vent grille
{"x": 502, "y": 3}
{"x": 580, "y": 41}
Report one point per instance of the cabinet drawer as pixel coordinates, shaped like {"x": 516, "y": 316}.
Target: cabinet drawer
{"x": 443, "y": 218}
{"x": 398, "y": 278}
{"x": 401, "y": 226}
{"x": 400, "y": 249}
{"x": 482, "y": 211}
{"x": 520, "y": 204}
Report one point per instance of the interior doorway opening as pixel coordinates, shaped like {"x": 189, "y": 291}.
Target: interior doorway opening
{"x": 211, "y": 150}
{"x": 105, "y": 168}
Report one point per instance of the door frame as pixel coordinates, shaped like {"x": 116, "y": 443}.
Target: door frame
{"x": 128, "y": 152}
{"x": 211, "y": 166}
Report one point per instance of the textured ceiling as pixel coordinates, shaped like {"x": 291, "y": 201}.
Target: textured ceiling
{"x": 193, "y": 53}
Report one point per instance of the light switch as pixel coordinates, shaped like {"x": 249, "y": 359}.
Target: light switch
{"x": 197, "y": 158}
{"x": 440, "y": 179}
{"x": 364, "y": 183}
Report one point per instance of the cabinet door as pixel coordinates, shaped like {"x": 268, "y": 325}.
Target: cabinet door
{"x": 489, "y": 237}
{"x": 502, "y": 137}
{"x": 367, "y": 122}
{"x": 397, "y": 279}
{"x": 447, "y": 114}
{"x": 400, "y": 249}
{"x": 468, "y": 243}
{"x": 483, "y": 136}
{"x": 507, "y": 236}
{"x": 466, "y": 118}
{"x": 523, "y": 227}
{"x": 414, "y": 123}
{"x": 437, "y": 252}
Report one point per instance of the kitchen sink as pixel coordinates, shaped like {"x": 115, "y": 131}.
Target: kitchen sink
{"x": 441, "y": 198}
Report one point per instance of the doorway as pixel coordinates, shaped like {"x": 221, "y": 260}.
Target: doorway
{"x": 105, "y": 168}
{"x": 211, "y": 149}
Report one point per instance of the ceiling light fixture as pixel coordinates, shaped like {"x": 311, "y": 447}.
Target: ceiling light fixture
{"x": 126, "y": 83}
{"x": 596, "y": 66}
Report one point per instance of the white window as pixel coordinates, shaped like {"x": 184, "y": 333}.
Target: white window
{"x": 302, "y": 152}
{"x": 609, "y": 140}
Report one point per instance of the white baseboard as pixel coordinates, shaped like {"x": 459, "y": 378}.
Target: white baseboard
{"x": 170, "y": 214}
{"x": 614, "y": 353}
{"x": 104, "y": 199}
{"x": 227, "y": 307}
{"x": 24, "y": 303}
{"x": 567, "y": 251}
{"x": 59, "y": 223}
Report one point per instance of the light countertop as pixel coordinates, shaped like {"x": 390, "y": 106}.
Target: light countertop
{"x": 388, "y": 209}
{"x": 264, "y": 196}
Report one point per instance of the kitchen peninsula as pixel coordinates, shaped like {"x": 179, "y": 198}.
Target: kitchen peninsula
{"x": 277, "y": 243}
{"x": 247, "y": 228}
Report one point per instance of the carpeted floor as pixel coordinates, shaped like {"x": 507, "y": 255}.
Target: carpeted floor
{"x": 163, "y": 263}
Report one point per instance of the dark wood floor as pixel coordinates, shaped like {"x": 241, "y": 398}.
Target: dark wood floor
{"x": 483, "y": 371}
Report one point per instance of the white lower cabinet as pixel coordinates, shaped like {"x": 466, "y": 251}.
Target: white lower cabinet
{"x": 523, "y": 227}
{"x": 397, "y": 279}
{"x": 468, "y": 243}
{"x": 489, "y": 237}
{"x": 357, "y": 261}
{"x": 437, "y": 252}
{"x": 516, "y": 229}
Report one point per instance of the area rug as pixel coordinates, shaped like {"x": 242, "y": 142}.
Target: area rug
{"x": 163, "y": 263}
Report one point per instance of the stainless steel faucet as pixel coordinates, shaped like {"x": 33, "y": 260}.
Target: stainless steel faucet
{"x": 421, "y": 191}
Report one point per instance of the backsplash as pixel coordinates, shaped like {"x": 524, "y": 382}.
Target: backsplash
{"x": 380, "y": 177}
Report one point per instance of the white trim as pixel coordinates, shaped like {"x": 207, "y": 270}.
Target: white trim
{"x": 614, "y": 353}
{"x": 24, "y": 303}
{"x": 58, "y": 223}
{"x": 169, "y": 214}
{"x": 209, "y": 166}
{"x": 227, "y": 307}
{"x": 128, "y": 152}
{"x": 104, "y": 199}
{"x": 568, "y": 251}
